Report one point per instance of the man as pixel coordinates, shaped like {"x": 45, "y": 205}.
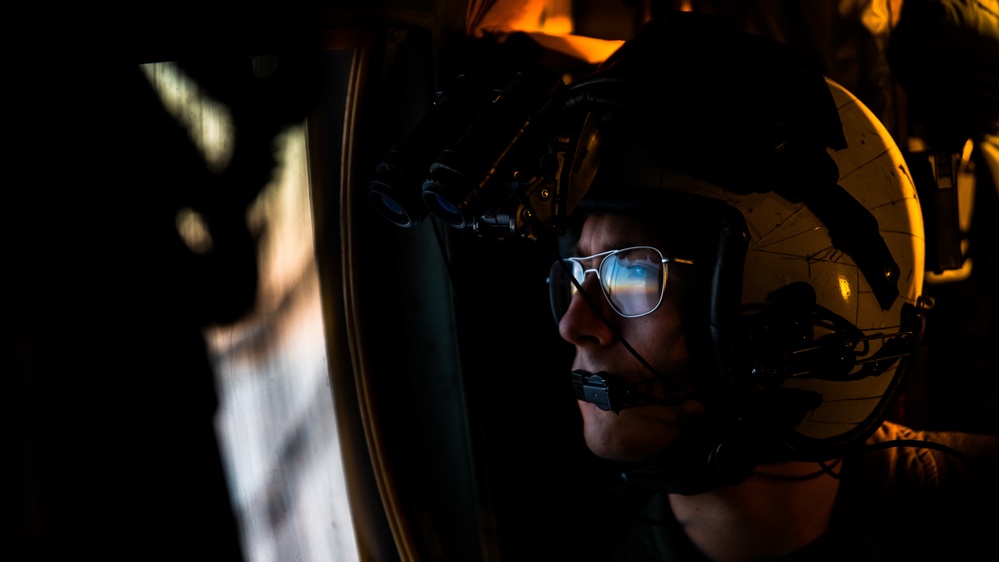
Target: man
{"x": 744, "y": 297}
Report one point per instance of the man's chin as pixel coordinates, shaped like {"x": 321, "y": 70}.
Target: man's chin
{"x": 631, "y": 435}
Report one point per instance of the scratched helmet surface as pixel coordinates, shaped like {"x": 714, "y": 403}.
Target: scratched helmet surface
{"x": 788, "y": 244}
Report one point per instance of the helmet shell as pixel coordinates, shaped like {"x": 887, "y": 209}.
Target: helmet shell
{"x": 788, "y": 243}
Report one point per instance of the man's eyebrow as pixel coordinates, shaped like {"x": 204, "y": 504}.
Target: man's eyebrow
{"x": 614, "y": 244}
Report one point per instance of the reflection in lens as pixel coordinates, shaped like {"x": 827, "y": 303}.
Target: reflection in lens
{"x": 391, "y": 205}
{"x": 442, "y": 207}
{"x": 446, "y": 205}
{"x": 633, "y": 280}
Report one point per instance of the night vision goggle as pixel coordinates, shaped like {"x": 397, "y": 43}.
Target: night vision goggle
{"x": 483, "y": 158}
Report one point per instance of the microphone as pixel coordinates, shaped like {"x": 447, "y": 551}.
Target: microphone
{"x": 609, "y": 393}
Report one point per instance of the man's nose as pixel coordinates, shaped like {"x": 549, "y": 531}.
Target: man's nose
{"x": 581, "y": 324}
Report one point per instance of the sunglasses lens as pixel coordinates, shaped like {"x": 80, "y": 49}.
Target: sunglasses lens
{"x": 633, "y": 280}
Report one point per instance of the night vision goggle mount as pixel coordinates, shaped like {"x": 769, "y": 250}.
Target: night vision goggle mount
{"x": 484, "y": 158}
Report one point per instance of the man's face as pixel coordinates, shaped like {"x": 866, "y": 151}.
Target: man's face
{"x": 636, "y": 433}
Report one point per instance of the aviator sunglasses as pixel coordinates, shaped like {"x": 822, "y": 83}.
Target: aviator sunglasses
{"x": 631, "y": 279}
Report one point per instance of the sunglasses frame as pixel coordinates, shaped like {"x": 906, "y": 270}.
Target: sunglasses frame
{"x": 561, "y": 263}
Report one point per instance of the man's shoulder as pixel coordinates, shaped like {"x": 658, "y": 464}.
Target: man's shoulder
{"x": 926, "y": 488}
{"x": 966, "y": 452}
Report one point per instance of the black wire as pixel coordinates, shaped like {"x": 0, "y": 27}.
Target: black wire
{"x": 918, "y": 444}
{"x": 828, "y": 470}
{"x": 900, "y": 443}
{"x": 823, "y": 469}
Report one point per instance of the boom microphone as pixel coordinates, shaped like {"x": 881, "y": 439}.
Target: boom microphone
{"x": 610, "y": 393}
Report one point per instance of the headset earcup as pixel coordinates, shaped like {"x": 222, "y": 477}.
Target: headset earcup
{"x": 760, "y": 348}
